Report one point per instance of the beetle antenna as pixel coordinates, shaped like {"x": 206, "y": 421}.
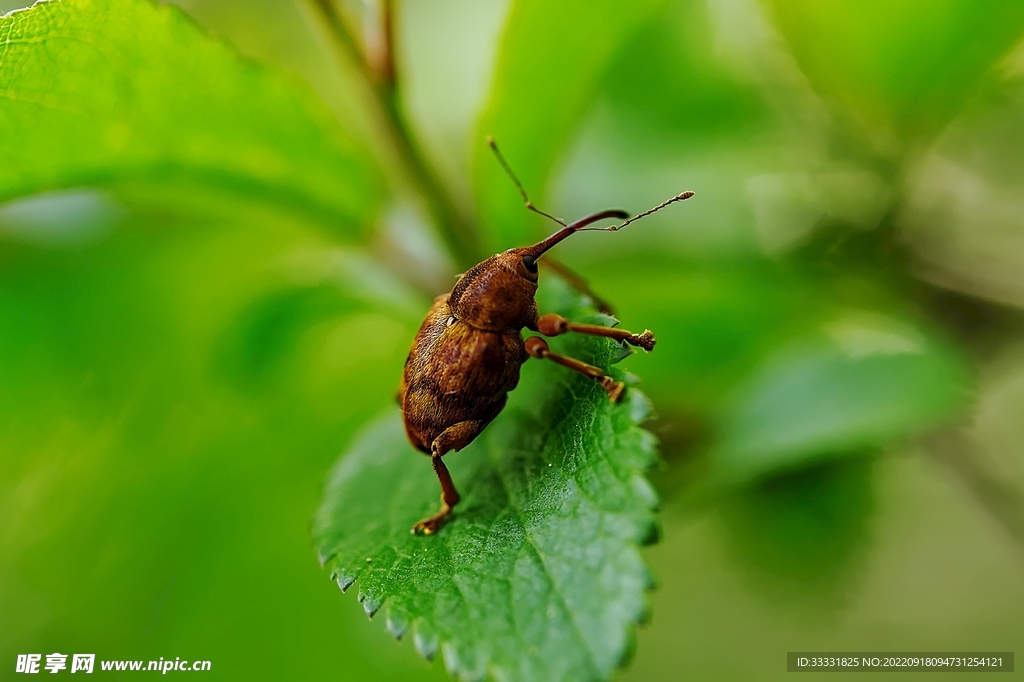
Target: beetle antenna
{"x": 538, "y": 249}
{"x": 582, "y": 225}
{"x": 682, "y": 196}
{"x": 508, "y": 170}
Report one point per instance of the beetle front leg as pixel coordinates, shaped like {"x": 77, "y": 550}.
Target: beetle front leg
{"x": 455, "y": 437}
{"x": 554, "y": 325}
{"x": 538, "y": 348}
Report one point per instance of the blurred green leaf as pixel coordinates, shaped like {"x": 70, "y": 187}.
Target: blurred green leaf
{"x": 379, "y": 312}
{"x": 675, "y": 88}
{"x": 549, "y": 70}
{"x": 797, "y": 536}
{"x": 537, "y": 576}
{"x": 962, "y": 214}
{"x": 910, "y": 64}
{"x": 267, "y": 331}
{"x": 171, "y": 393}
{"x": 113, "y": 90}
{"x": 714, "y": 321}
{"x": 133, "y": 457}
{"x": 865, "y": 380}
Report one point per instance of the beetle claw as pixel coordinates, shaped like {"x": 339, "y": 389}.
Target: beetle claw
{"x": 614, "y": 388}
{"x": 645, "y": 340}
{"x": 432, "y": 524}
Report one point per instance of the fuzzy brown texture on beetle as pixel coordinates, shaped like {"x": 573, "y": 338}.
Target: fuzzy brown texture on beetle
{"x": 468, "y": 352}
{"x": 467, "y": 356}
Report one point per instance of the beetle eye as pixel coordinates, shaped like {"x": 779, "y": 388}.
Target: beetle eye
{"x": 530, "y": 263}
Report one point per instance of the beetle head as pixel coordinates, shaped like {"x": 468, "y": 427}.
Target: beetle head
{"x": 498, "y": 293}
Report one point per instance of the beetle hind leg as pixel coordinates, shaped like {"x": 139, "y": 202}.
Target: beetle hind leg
{"x": 449, "y": 498}
{"x": 455, "y": 438}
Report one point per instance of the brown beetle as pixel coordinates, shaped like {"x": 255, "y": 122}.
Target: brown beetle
{"x": 467, "y": 354}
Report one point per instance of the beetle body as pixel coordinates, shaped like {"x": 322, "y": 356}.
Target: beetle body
{"x": 468, "y": 352}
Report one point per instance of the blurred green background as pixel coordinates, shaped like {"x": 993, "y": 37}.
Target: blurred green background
{"x": 839, "y": 379}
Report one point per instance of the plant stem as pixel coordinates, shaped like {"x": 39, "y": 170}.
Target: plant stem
{"x": 1002, "y": 501}
{"x": 456, "y": 229}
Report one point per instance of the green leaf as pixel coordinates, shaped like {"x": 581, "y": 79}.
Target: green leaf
{"x": 93, "y": 92}
{"x": 550, "y": 67}
{"x": 537, "y": 576}
{"x": 867, "y": 380}
{"x": 908, "y": 64}
{"x": 257, "y": 347}
{"x": 714, "y": 321}
{"x": 110, "y": 351}
{"x": 800, "y": 537}
{"x": 969, "y": 241}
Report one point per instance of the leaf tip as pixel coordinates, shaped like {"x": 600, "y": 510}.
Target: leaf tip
{"x": 643, "y": 610}
{"x": 370, "y": 604}
{"x": 395, "y": 628}
{"x": 621, "y": 352}
{"x": 640, "y": 406}
{"x": 458, "y": 667}
{"x": 650, "y": 580}
{"x": 425, "y": 643}
{"x": 651, "y": 534}
{"x": 344, "y": 581}
{"x": 628, "y": 650}
{"x": 396, "y": 625}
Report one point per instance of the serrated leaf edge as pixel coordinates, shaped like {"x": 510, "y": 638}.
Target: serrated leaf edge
{"x": 429, "y": 644}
